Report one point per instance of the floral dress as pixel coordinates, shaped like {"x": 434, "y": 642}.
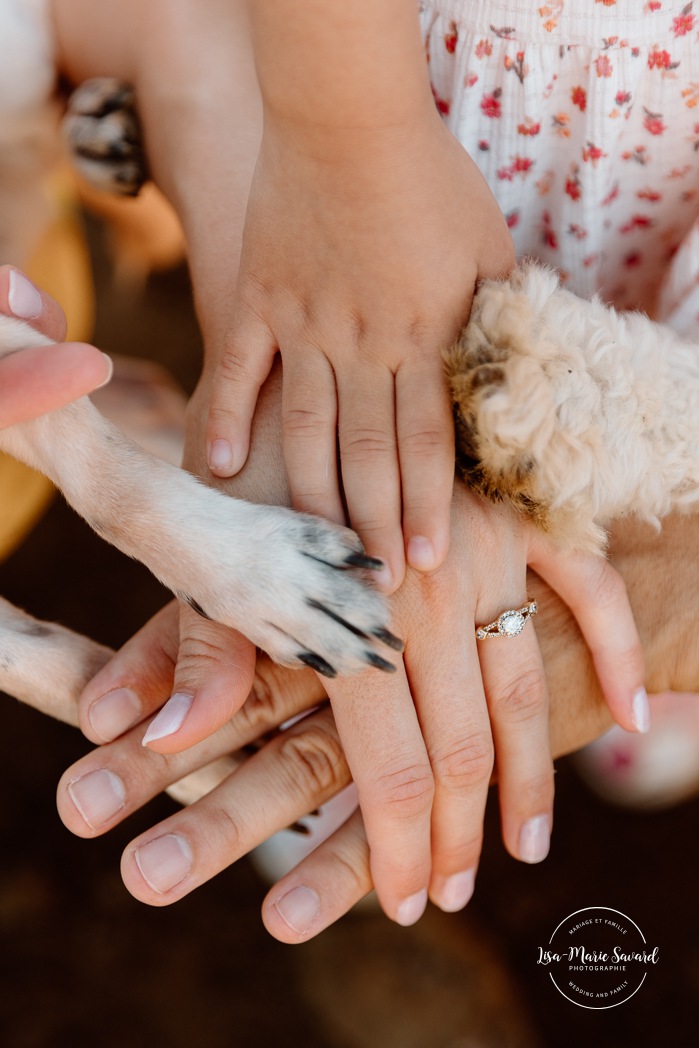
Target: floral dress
{"x": 583, "y": 116}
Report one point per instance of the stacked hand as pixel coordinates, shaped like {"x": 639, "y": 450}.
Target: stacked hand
{"x": 40, "y": 380}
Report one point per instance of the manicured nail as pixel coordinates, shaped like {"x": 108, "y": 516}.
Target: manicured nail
{"x": 535, "y": 839}
{"x": 455, "y": 891}
{"x": 640, "y": 711}
{"x": 421, "y": 555}
{"x": 170, "y": 718}
{"x": 299, "y": 909}
{"x": 164, "y": 862}
{"x": 221, "y": 456}
{"x": 98, "y": 796}
{"x": 22, "y": 297}
{"x": 412, "y": 908}
{"x": 114, "y": 712}
{"x": 110, "y": 372}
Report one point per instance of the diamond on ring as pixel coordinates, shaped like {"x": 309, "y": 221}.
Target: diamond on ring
{"x": 509, "y": 624}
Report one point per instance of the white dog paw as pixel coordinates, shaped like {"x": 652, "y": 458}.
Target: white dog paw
{"x": 104, "y": 136}
{"x": 299, "y": 588}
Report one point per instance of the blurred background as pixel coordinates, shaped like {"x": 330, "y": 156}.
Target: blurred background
{"x": 82, "y": 963}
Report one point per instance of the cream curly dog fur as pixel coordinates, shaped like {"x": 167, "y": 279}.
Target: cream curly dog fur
{"x": 574, "y": 412}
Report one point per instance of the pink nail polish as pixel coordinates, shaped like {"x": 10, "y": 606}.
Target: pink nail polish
{"x": 640, "y": 711}
{"x": 411, "y": 909}
{"x": 22, "y": 297}
{"x": 455, "y": 891}
{"x": 170, "y": 718}
{"x": 535, "y": 839}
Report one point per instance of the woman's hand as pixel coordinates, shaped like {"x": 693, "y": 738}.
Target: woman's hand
{"x": 422, "y": 770}
{"x": 36, "y": 381}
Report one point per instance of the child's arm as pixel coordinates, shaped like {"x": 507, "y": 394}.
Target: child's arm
{"x": 367, "y": 227}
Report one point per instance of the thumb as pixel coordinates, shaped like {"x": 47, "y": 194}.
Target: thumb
{"x": 213, "y": 677}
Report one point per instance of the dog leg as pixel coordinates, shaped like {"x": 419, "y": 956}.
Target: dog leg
{"x": 294, "y": 584}
{"x": 574, "y": 412}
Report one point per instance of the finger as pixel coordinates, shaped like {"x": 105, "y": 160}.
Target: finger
{"x": 135, "y": 682}
{"x": 213, "y": 677}
{"x": 596, "y": 595}
{"x": 309, "y": 427}
{"x": 322, "y": 888}
{"x": 118, "y": 778}
{"x": 445, "y": 681}
{"x": 425, "y": 428}
{"x": 515, "y": 687}
{"x": 20, "y": 298}
{"x": 393, "y": 776}
{"x": 46, "y": 378}
{"x": 269, "y": 791}
{"x": 369, "y": 466}
{"x": 245, "y": 363}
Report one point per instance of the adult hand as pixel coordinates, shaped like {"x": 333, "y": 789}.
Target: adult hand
{"x": 293, "y": 774}
{"x": 36, "y": 381}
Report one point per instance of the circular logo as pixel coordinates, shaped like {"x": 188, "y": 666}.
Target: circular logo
{"x": 598, "y": 957}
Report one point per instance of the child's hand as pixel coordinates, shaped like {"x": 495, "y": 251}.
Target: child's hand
{"x": 360, "y": 255}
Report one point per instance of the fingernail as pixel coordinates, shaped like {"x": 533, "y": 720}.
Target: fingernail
{"x": 114, "y": 712}
{"x": 164, "y": 862}
{"x": 383, "y": 578}
{"x": 110, "y": 371}
{"x": 455, "y": 891}
{"x": 299, "y": 909}
{"x": 98, "y": 796}
{"x": 412, "y": 908}
{"x": 22, "y": 297}
{"x": 640, "y": 711}
{"x": 221, "y": 456}
{"x": 170, "y": 718}
{"x": 421, "y": 555}
{"x": 535, "y": 839}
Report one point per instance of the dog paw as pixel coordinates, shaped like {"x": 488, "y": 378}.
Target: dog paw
{"x": 527, "y": 406}
{"x": 103, "y": 134}
{"x": 299, "y": 587}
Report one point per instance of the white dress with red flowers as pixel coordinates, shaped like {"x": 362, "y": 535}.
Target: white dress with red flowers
{"x": 583, "y": 115}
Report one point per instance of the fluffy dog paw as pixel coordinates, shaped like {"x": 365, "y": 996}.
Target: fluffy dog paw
{"x": 104, "y": 136}
{"x": 527, "y": 405}
{"x": 296, "y": 585}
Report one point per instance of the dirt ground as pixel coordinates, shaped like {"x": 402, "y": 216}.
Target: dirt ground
{"x": 84, "y": 964}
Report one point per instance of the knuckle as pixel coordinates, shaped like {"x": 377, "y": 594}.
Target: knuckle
{"x": 606, "y": 589}
{"x": 405, "y": 792}
{"x": 302, "y": 422}
{"x": 524, "y": 697}
{"x": 425, "y": 442}
{"x": 264, "y": 705}
{"x": 315, "y": 761}
{"x": 363, "y": 445}
{"x": 467, "y": 765}
{"x": 230, "y": 827}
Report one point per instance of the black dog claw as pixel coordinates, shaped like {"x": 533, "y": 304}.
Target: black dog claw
{"x": 309, "y": 658}
{"x": 378, "y": 662}
{"x": 360, "y": 560}
{"x": 389, "y": 639}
